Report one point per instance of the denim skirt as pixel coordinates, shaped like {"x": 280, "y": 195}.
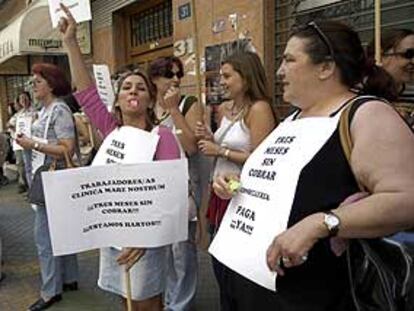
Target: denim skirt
{"x": 147, "y": 275}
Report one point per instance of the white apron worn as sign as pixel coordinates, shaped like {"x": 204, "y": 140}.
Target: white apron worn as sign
{"x": 127, "y": 145}
{"x": 262, "y": 207}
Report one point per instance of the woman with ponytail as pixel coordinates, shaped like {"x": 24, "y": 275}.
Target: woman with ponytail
{"x": 324, "y": 69}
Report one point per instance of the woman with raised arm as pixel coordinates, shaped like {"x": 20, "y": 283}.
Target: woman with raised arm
{"x": 322, "y": 64}
{"x": 133, "y": 107}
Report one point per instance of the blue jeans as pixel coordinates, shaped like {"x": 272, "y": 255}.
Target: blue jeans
{"x": 181, "y": 284}
{"x": 55, "y": 271}
{"x": 27, "y": 159}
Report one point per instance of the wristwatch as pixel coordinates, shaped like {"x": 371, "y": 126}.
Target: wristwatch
{"x": 332, "y": 223}
{"x": 36, "y": 146}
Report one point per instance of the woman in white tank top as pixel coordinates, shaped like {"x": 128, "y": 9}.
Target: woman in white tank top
{"x": 245, "y": 120}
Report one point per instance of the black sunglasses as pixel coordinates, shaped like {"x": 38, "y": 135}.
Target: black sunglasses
{"x": 407, "y": 54}
{"x": 169, "y": 74}
{"x": 324, "y": 39}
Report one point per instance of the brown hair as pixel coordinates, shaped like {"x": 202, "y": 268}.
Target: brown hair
{"x": 161, "y": 65}
{"x": 355, "y": 70}
{"x": 55, "y": 77}
{"x": 389, "y": 40}
{"x": 250, "y": 68}
{"x": 150, "y": 114}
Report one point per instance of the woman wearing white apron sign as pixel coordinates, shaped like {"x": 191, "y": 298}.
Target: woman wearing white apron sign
{"x": 52, "y": 134}
{"x": 245, "y": 120}
{"x": 133, "y": 107}
{"x": 303, "y": 174}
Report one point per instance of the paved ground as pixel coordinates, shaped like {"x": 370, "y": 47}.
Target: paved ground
{"x": 21, "y": 283}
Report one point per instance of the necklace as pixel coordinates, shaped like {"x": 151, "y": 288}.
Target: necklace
{"x": 235, "y": 111}
{"x": 161, "y": 113}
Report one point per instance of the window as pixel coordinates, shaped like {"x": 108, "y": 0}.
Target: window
{"x": 152, "y": 24}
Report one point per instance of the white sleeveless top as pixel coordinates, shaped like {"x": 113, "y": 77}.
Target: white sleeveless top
{"x": 237, "y": 138}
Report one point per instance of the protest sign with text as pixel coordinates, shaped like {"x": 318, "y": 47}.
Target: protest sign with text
{"x": 261, "y": 208}
{"x": 127, "y": 145}
{"x": 23, "y": 126}
{"x": 104, "y": 85}
{"x": 80, "y": 9}
{"x": 135, "y": 205}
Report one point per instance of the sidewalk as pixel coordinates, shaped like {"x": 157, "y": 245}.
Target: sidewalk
{"x": 20, "y": 286}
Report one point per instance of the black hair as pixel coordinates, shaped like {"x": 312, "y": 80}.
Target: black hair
{"x": 356, "y": 71}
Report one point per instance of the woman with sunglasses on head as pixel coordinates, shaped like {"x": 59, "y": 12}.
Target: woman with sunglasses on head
{"x": 180, "y": 113}
{"x": 133, "y": 107}
{"x": 322, "y": 64}
{"x": 245, "y": 120}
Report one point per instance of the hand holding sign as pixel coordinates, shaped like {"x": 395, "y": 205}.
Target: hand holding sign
{"x": 80, "y": 9}
{"x": 226, "y": 186}
{"x": 67, "y": 26}
{"x": 130, "y": 256}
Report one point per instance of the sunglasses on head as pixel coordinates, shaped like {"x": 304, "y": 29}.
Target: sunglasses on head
{"x": 323, "y": 37}
{"x": 169, "y": 74}
{"x": 407, "y": 54}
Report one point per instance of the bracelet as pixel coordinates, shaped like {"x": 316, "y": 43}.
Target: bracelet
{"x": 227, "y": 153}
{"x": 222, "y": 152}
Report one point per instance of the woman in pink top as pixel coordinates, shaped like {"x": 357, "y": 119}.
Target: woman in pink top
{"x": 133, "y": 107}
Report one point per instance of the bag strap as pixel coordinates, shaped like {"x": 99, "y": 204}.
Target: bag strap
{"x": 186, "y": 102}
{"x": 345, "y": 127}
{"x": 221, "y": 138}
{"x": 49, "y": 117}
{"x": 347, "y": 145}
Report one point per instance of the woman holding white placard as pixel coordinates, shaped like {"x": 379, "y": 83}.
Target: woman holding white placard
{"x": 246, "y": 118}
{"x": 133, "y": 107}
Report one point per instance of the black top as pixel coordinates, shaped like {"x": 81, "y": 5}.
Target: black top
{"x": 321, "y": 283}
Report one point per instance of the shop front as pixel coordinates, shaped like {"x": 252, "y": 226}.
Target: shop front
{"x": 27, "y": 39}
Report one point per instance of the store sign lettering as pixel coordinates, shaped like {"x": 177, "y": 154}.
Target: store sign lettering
{"x": 46, "y": 43}
{"x": 6, "y": 48}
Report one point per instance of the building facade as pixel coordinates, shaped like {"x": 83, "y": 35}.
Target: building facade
{"x": 125, "y": 32}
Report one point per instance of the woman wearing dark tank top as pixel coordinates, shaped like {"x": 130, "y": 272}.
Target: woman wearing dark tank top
{"x": 322, "y": 62}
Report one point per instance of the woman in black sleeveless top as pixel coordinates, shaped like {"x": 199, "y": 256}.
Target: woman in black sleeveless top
{"x": 322, "y": 63}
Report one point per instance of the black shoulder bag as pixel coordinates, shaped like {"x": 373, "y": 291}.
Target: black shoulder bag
{"x": 380, "y": 270}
